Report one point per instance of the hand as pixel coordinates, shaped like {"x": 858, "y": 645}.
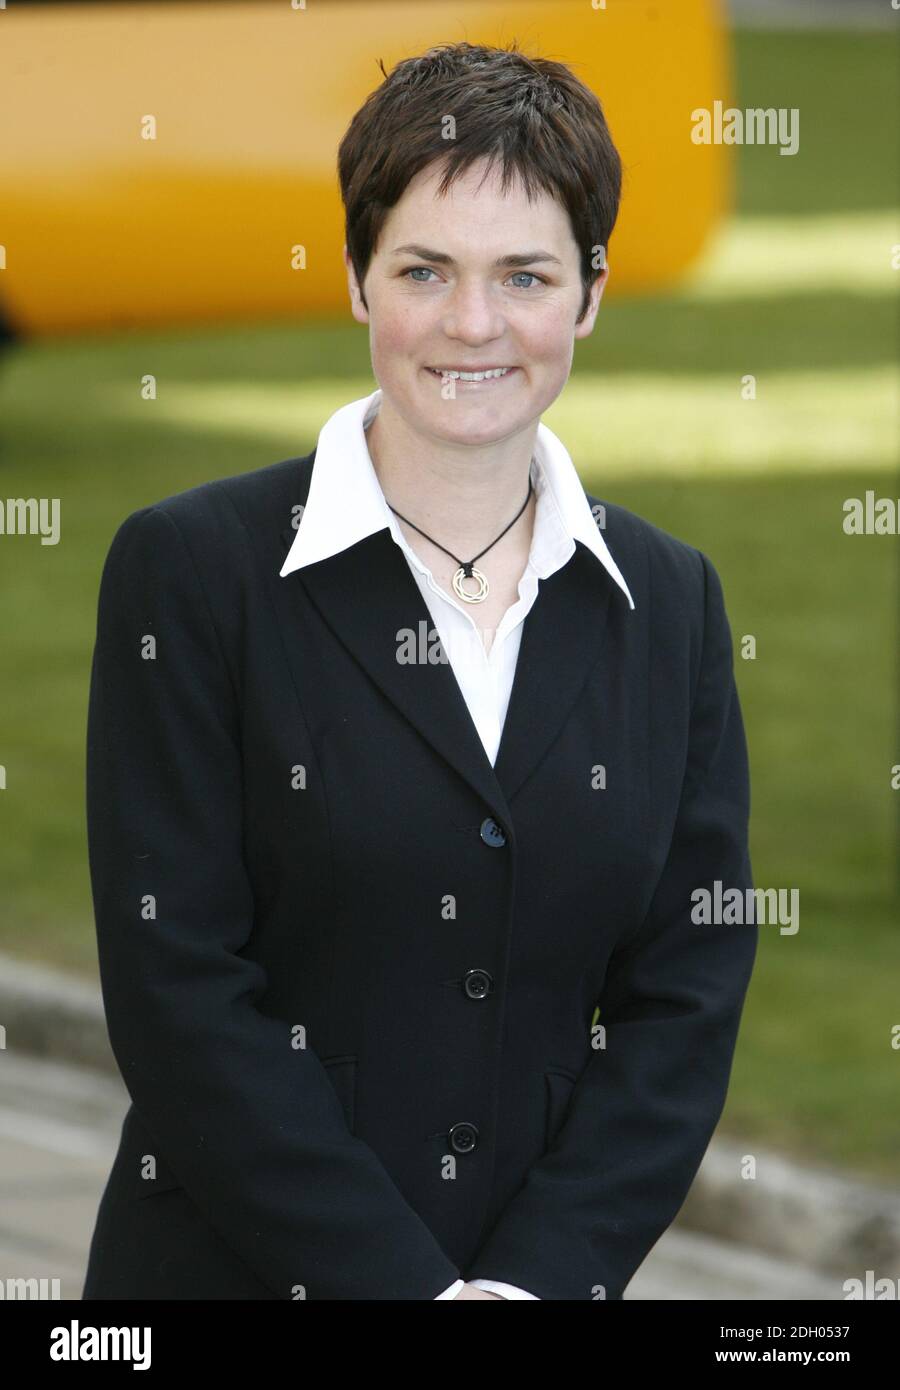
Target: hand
{"x": 470, "y": 1291}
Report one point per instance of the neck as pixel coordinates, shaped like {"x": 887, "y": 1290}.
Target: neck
{"x": 462, "y": 495}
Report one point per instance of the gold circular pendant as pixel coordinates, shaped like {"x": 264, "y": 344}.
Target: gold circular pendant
{"x": 478, "y": 597}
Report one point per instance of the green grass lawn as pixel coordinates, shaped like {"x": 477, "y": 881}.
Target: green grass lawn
{"x": 654, "y": 420}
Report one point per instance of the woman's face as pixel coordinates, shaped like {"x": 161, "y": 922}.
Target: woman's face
{"x": 450, "y": 303}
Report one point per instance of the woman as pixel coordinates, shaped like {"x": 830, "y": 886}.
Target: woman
{"x": 405, "y": 756}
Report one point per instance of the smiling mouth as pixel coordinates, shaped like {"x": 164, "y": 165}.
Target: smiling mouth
{"x": 456, "y": 374}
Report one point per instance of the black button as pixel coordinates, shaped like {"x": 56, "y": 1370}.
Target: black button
{"x": 492, "y": 833}
{"x": 463, "y": 1137}
{"x": 477, "y": 983}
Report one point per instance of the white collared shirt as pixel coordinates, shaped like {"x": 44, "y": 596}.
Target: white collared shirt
{"x": 346, "y": 504}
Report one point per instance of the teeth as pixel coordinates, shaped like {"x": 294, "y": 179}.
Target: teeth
{"x": 470, "y": 376}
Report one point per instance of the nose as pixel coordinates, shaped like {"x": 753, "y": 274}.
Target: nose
{"x": 472, "y": 314}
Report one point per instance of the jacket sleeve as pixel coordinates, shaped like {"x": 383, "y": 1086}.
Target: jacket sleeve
{"x": 248, "y": 1122}
{"x": 645, "y": 1106}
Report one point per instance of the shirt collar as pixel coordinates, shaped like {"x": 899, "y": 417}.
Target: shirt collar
{"x": 346, "y": 503}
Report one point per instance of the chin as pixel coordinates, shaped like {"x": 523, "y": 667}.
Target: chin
{"x": 473, "y": 432}
{"x": 467, "y": 420}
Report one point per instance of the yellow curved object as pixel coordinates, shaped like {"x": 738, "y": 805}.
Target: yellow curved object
{"x": 163, "y": 163}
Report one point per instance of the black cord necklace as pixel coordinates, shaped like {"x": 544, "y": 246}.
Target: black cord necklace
{"x": 467, "y": 568}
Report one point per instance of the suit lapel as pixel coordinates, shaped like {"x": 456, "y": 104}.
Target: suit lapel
{"x": 368, "y": 597}
{"x": 562, "y": 640}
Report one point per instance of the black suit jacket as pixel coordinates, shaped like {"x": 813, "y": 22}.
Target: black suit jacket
{"x": 350, "y": 968}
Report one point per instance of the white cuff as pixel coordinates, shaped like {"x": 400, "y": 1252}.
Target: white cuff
{"x": 505, "y": 1290}
{"x": 453, "y": 1289}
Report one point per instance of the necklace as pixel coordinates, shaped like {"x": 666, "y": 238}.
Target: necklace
{"x": 467, "y": 568}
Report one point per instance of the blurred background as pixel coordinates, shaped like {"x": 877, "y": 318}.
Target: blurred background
{"x": 169, "y": 211}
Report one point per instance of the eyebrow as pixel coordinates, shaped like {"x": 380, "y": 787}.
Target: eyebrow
{"x": 425, "y": 253}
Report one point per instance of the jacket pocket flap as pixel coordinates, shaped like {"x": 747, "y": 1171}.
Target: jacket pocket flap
{"x": 341, "y": 1072}
{"x": 559, "y": 1083}
{"x": 142, "y": 1169}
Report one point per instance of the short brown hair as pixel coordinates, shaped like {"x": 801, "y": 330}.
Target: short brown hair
{"x": 532, "y": 114}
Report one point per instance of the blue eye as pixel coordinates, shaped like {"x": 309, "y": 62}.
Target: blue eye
{"x": 517, "y": 275}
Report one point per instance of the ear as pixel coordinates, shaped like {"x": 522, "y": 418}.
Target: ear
{"x": 586, "y": 326}
{"x": 357, "y": 305}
